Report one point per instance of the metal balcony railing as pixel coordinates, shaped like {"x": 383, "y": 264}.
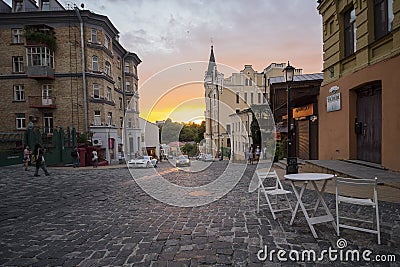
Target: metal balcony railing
{"x": 42, "y": 102}
{"x": 40, "y": 72}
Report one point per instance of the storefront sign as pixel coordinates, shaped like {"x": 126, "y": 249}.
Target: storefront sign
{"x": 303, "y": 111}
{"x": 333, "y": 102}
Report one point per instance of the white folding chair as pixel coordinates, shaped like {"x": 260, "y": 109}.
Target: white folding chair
{"x": 351, "y": 183}
{"x": 270, "y": 185}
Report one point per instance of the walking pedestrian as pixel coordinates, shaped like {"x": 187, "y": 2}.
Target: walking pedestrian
{"x": 250, "y": 154}
{"x": 95, "y": 159}
{"x": 258, "y": 153}
{"x": 27, "y": 157}
{"x": 40, "y": 161}
{"x": 229, "y": 154}
{"x": 75, "y": 157}
{"x": 265, "y": 152}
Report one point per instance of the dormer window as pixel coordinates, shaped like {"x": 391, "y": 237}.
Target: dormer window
{"x": 19, "y": 6}
{"x": 93, "y": 36}
{"x": 45, "y": 5}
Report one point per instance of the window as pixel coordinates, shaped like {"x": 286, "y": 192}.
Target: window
{"x": 121, "y": 122}
{"x": 96, "y": 91}
{"x": 19, "y": 94}
{"x": 127, "y": 68}
{"x": 20, "y": 121}
{"x": 245, "y": 97}
{"x": 120, "y": 102}
{"x": 18, "y": 64}
{"x": 248, "y": 82}
{"x": 107, "y": 42}
{"x": 45, "y": 5}
{"x": 19, "y": 6}
{"x": 93, "y": 36}
{"x": 17, "y": 36}
{"x": 107, "y": 68}
{"x": 237, "y": 97}
{"x": 48, "y": 122}
{"x": 118, "y": 62}
{"x": 129, "y": 123}
{"x": 40, "y": 56}
{"x": 109, "y": 118}
{"x": 383, "y": 17}
{"x": 47, "y": 91}
{"x": 228, "y": 128}
{"x": 135, "y": 69}
{"x": 349, "y": 32}
{"x": 265, "y": 97}
{"x": 252, "y": 98}
{"x": 95, "y": 63}
{"x": 108, "y": 94}
{"x": 128, "y": 87}
{"x": 97, "y": 117}
{"x": 119, "y": 83}
{"x": 259, "y": 98}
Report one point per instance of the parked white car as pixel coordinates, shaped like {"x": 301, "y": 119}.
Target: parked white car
{"x": 143, "y": 162}
{"x": 208, "y": 157}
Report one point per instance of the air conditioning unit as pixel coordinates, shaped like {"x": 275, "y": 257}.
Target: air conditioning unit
{"x": 97, "y": 142}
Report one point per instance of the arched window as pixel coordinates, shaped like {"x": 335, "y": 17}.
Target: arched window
{"x": 107, "y": 68}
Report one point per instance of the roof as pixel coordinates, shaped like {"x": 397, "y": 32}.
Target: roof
{"x": 211, "y": 63}
{"x": 298, "y": 78}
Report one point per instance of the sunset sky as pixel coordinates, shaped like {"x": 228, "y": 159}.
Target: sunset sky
{"x": 169, "y": 33}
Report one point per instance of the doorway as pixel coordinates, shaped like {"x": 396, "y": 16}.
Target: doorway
{"x": 369, "y": 123}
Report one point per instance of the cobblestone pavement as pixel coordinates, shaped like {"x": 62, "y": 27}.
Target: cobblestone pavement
{"x": 101, "y": 217}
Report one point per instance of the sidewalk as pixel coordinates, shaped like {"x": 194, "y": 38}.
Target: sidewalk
{"x": 388, "y": 181}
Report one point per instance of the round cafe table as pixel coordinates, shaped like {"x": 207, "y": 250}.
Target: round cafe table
{"x": 312, "y": 178}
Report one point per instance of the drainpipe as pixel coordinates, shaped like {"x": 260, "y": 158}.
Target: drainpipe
{"x": 124, "y": 106}
{"x": 83, "y": 70}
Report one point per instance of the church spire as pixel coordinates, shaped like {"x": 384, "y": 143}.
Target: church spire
{"x": 211, "y": 63}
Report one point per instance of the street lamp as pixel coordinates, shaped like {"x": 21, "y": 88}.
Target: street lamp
{"x": 291, "y": 166}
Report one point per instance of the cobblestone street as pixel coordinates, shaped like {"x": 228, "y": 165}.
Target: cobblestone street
{"x": 101, "y": 217}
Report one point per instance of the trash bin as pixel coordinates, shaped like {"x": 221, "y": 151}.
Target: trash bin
{"x": 82, "y": 157}
{"x": 292, "y": 166}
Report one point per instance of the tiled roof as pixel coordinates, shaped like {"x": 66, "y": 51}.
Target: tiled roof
{"x": 298, "y": 78}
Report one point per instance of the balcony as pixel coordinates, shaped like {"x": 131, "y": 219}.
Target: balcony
{"x": 40, "y": 72}
{"x": 42, "y": 103}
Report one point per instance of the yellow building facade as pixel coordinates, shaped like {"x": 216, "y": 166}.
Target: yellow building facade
{"x": 359, "y": 116}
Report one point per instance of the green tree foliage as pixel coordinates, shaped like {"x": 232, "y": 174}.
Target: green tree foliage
{"x": 189, "y": 149}
{"x": 186, "y": 132}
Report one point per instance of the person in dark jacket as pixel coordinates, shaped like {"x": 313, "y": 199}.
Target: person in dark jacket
{"x": 40, "y": 162}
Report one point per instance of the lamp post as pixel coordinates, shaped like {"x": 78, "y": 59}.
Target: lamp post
{"x": 291, "y": 166}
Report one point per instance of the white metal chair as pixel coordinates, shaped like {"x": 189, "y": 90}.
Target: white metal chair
{"x": 270, "y": 185}
{"x": 371, "y": 202}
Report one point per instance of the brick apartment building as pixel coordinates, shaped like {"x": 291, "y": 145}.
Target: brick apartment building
{"x": 65, "y": 67}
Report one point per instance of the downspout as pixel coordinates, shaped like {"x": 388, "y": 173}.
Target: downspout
{"x": 124, "y": 104}
{"x": 83, "y": 70}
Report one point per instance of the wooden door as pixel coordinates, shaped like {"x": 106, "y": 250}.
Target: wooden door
{"x": 369, "y": 119}
{"x": 303, "y": 139}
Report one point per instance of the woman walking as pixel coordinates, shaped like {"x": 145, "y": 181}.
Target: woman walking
{"x": 40, "y": 162}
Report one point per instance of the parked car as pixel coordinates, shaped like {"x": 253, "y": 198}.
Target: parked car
{"x": 143, "y": 161}
{"x": 182, "y": 160}
{"x": 200, "y": 156}
{"x": 208, "y": 157}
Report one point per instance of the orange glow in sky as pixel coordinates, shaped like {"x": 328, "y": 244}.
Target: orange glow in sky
{"x": 182, "y": 104}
